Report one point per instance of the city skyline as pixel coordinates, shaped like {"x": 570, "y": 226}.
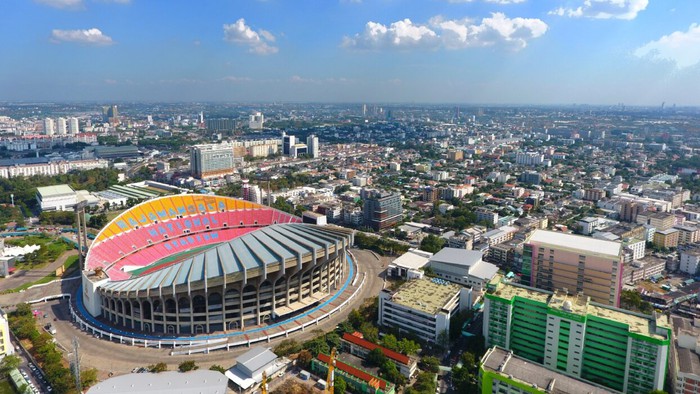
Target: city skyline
{"x": 636, "y": 52}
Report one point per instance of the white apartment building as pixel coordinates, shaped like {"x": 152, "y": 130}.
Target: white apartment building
{"x": 423, "y": 307}
{"x": 61, "y": 126}
{"x": 73, "y": 127}
{"x": 690, "y": 261}
{"x": 529, "y": 158}
{"x": 49, "y": 127}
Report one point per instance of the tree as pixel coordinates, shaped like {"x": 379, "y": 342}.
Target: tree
{"x": 657, "y": 392}
{"x": 9, "y": 363}
{"x": 355, "y": 317}
{"x": 370, "y": 332}
{"x": 429, "y": 364}
{"x": 187, "y": 366}
{"x": 88, "y": 377}
{"x": 304, "y": 359}
{"x": 340, "y": 386}
{"x": 408, "y": 347}
{"x": 333, "y": 339}
{"x": 432, "y": 243}
{"x": 376, "y": 357}
{"x": 390, "y": 342}
{"x": 157, "y": 368}
{"x": 217, "y": 367}
{"x": 287, "y": 347}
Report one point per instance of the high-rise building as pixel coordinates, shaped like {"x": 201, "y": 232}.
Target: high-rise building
{"x": 212, "y": 160}
{"x": 110, "y": 114}
{"x": 619, "y": 349}
{"x": 61, "y": 126}
{"x": 201, "y": 117}
{"x": 49, "y": 128}
{"x": 629, "y": 211}
{"x": 381, "y": 209}
{"x": 288, "y": 141}
{"x": 555, "y": 261}
{"x": 256, "y": 121}
{"x": 312, "y": 145}
{"x": 73, "y": 126}
{"x": 221, "y": 124}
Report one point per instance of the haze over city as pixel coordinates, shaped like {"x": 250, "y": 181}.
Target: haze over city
{"x": 636, "y": 52}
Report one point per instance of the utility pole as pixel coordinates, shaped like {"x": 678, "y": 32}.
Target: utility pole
{"x": 75, "y": 365}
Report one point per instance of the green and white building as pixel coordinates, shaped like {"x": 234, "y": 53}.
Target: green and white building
{"x": 616, "y": 348}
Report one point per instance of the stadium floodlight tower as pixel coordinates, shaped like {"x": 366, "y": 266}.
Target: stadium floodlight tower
{"x": 82, "y": 231}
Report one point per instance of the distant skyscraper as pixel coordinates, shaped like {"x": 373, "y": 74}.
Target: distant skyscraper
{"x": 256, "y": 120}
{"x": 288, "y": 141}
{"x": 49, "y": 128}
{"x": 61, "y": 126}
{"x": 110, "y": 114}
{"x": 149, "y": 119}
{"x": 221, "y": 124}
{"x": 201, "y": 117}
{"x": 312, "y": 144}
{"x": 73, "y": 126}
{"x": 364, "y": 109}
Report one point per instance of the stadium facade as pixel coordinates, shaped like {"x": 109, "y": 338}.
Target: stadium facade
{"x": 190, "y": 264}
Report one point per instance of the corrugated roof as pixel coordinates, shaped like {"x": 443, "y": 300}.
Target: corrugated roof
{"x": 55, "y": 190}
{"x": 396, "y": 356}
{"x": 243, "y": 253}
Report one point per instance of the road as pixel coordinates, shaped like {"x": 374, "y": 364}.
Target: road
{"x": 119, "y": 359}
{"x": 23, "y": 276}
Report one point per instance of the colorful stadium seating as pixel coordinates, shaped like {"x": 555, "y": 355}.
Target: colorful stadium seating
{"x": 166, "y": 226}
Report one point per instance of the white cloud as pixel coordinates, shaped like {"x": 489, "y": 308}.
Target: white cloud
{"x": 257, "y": 42}
{"x": 62, "y": 3}
{"x": 89, "y": 37}
{"x": 604, "y": 9}
{"x": 401, "y": 34}
{"x": 681, "y": 47}
{"x": 235, "y": 79}
{"x": 450, "y": 34}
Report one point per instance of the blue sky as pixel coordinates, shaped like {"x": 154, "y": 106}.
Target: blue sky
{"x": 637, "y": 52}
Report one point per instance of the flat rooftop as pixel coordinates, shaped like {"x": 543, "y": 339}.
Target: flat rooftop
{"x": 519, "y": 369}
{"x": 578, "y": 243}
{"x": 425, "y": 295}
{"x": 193, "y": 382}
{"x": 688, "y": 360}
{"x": 580, "y": 305}
{"x": 55, "y": 191}
{"x": 413, "y": 259}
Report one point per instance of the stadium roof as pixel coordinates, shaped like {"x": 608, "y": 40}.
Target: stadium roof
{"x": 257, "y": 249}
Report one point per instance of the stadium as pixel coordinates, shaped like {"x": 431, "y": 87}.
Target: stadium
{"x": 193, "y": 264}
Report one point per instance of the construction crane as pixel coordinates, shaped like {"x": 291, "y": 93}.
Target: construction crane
{"x": 263, "y": 386}
{"x": 330, "y": 379}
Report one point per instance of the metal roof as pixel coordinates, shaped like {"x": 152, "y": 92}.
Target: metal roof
{"x": 194, "y": 382}
{"x": 55, "y": 191}
{"x": 257, "y": 249}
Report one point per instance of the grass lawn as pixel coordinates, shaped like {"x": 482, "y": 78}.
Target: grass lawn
{"x": 113, "y": 214}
